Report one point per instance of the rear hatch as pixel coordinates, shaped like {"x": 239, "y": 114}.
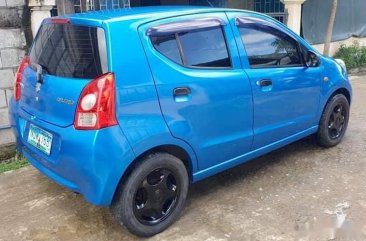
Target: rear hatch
{"x": 63, "y": 59}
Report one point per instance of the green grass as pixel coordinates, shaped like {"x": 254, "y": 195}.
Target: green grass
{"x": 13, "y": 164}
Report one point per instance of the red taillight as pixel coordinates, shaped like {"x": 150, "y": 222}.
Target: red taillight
{"x": 96, "y": 106}
{"x": 18, "y": 78}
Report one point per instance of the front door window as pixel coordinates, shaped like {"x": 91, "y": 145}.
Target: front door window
{"x": 267, "y": 47}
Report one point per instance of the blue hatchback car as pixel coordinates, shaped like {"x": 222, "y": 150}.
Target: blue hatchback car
{"x": 128, "y": 107}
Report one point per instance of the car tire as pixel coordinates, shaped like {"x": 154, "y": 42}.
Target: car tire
{"x": 333, "y": 122}
{"x": 152, "y": 196}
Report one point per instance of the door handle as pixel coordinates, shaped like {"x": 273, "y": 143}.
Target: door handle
{"x": 181, "y": 91}
{"x": 264, "y": 82}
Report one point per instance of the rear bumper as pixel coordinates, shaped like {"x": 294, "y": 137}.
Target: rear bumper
{"x": 88, "y": 162}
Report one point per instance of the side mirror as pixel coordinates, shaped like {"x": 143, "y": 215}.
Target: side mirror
{"x": 311, "y": 59}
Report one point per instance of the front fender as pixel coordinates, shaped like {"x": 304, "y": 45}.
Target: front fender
{"x": 334, "y": 79}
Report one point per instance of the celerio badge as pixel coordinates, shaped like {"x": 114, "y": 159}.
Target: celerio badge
{"x": 65, "y": 101}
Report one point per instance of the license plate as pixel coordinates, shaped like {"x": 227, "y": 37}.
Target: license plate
{"x": 40, "y": 139}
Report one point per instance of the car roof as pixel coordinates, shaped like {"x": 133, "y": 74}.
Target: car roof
{"x": 143, "y": 13}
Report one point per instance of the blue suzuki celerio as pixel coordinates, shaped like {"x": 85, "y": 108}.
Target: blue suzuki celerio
{"x": 128, "y": 107}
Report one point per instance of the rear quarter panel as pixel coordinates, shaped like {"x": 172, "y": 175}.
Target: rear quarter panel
{"x": 138, "y": 110}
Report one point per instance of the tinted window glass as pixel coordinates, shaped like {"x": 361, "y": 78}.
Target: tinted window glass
{"x": 167, "y": 46}
{"x": 303, "y": 51}
{"x": 205, "y": 48}
{"x": 267, "y": 47}
{"x": 67, "y": 50}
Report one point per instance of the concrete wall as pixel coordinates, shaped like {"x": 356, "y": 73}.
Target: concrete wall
{"x": 13, "y": 45}
{"x": 334, "y": 46}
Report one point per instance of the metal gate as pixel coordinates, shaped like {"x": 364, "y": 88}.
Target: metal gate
{"x": 273, "y": 8}
{"x": 90, "y": 5}
{"x": 211, "y": 3}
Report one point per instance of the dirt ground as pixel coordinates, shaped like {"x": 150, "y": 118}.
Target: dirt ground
{"x": 300, "y": 192}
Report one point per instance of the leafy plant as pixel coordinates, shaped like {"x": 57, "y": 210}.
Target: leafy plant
{"x": 354, "y": 56}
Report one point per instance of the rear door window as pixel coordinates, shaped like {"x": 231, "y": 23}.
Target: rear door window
{"x": 168, "y": 46}
{"x": 71, "y": 51}
{"x": 205, "y": 48}
{"x": 200, "y": 47}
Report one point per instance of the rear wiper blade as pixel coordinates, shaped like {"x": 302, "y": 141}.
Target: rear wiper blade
{"x": 40, "y": 67}
{"x": 40, "y": 71}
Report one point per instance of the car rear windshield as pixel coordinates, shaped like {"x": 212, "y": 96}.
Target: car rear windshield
{"x": 70, "y": 51}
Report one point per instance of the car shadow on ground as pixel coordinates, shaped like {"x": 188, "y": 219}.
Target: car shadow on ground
{"x": 250, "y": 168}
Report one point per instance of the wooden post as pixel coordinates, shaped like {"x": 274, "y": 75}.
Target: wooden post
{"x": 65, "y": 7}
{"x": 328, "y": 37}
{"x": 83, "y": 7}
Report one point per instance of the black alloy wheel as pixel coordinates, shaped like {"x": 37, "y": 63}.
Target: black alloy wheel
{"x": 334, "y": 121}
{"x": 156, "y": 196}
{"x": 152, "y": 196}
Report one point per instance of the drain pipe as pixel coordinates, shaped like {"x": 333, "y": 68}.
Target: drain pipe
{"x": 3, "y": 127}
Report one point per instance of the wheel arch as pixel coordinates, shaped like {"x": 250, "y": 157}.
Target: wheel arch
{"x": 341, "y": 90}
{"x": 172, "y": 149}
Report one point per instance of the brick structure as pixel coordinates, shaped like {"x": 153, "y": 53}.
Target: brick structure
{"x": 14, "y": 31}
